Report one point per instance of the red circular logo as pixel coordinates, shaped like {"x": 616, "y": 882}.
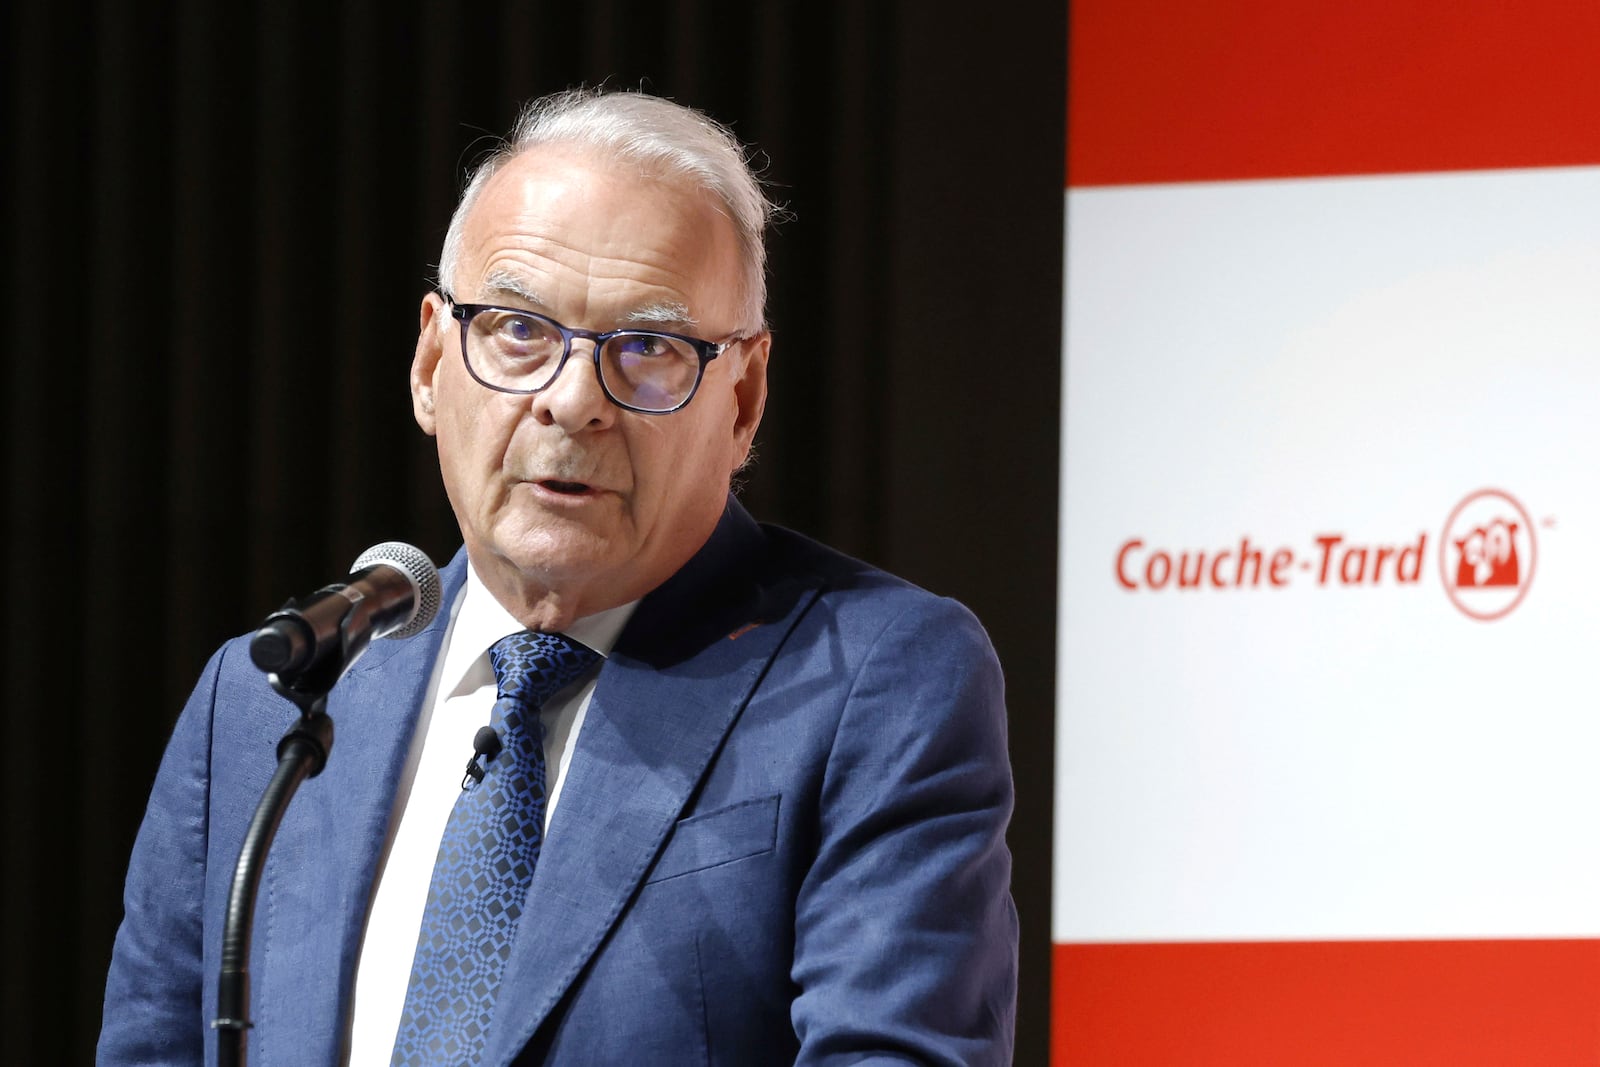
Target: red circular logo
{"x": 1487, "y": 553}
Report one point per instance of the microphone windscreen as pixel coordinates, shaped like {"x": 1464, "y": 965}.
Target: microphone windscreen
{"x": 419, "y": 570}
{"x": 487, "y": 741}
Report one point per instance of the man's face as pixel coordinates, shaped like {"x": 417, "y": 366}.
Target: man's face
{"x": 568, "y": 504}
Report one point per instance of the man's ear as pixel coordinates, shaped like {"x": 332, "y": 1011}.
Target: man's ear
{"x": 750, "y": 394}
{"x": 425, "y": 364}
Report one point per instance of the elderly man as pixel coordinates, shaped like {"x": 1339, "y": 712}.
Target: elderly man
{"x": 751, "y": 803}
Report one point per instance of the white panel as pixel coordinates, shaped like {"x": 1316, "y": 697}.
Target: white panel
{"x": 1280, "y": 361}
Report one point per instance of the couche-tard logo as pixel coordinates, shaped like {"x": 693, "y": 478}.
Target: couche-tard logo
{"x": 1486, "y": 553}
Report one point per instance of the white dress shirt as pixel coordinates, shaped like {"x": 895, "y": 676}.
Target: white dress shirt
{"x": 459, "y": 700}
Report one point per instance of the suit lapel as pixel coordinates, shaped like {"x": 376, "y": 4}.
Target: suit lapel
{"x": 668, "y": 695}
{"x": 313, "y": 906}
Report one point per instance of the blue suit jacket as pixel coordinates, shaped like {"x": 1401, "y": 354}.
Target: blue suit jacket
{"x": 780, "y": 839}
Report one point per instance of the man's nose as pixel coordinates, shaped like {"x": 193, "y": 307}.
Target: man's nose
{"x": 575, "y": 400}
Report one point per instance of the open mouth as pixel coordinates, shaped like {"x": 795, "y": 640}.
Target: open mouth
{"x": 568, "y": 488}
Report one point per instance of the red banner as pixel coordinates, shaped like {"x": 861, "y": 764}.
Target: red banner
{"x": 1168, "y": 91}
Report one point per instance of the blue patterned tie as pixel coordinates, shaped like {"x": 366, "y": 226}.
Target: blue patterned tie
{"x": 485, "y": 864}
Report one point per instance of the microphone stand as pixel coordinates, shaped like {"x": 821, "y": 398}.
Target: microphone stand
{"x": 302, "y": 753}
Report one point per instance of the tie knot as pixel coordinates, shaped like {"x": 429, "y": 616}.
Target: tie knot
{"x": 529, "y": 667}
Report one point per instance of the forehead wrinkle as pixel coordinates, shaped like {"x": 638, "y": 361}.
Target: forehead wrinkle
{"x": 662, "y": 269}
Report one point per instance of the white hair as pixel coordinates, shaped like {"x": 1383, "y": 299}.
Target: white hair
{"x": 661, "y": 137}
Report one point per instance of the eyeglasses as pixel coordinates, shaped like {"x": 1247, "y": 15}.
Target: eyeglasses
{"x": 515, "y": 351}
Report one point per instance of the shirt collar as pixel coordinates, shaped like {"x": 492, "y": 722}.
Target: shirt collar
{"x": 479, "y": 620}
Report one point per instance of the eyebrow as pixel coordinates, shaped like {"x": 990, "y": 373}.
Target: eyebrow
{"x": 666, "y": 314}
{"x": 502, "y": 284}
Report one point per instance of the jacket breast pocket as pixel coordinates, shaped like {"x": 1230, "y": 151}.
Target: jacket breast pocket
{"x": 713, "y": 838}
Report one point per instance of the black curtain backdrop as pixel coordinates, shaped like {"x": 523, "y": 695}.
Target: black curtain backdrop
{"x": 218, "y": 222}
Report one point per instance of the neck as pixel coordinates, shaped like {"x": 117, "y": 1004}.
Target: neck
{"x": 539, "y": 603}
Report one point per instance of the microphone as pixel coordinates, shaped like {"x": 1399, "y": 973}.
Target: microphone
{"x": 392, "y": 591}
{"x": 485, "y": 743}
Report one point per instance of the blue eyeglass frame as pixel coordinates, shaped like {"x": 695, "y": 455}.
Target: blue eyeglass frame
{"x": 706, "y": 350}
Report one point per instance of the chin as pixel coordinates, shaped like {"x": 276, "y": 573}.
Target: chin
{"x": 558, "y": 552}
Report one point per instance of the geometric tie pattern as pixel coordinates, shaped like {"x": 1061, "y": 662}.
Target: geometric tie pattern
{"x": 485, "y": 864}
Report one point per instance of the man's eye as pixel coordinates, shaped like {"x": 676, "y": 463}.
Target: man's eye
{"x": 517, "y": 329}
{"x": 644, "y": 346}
